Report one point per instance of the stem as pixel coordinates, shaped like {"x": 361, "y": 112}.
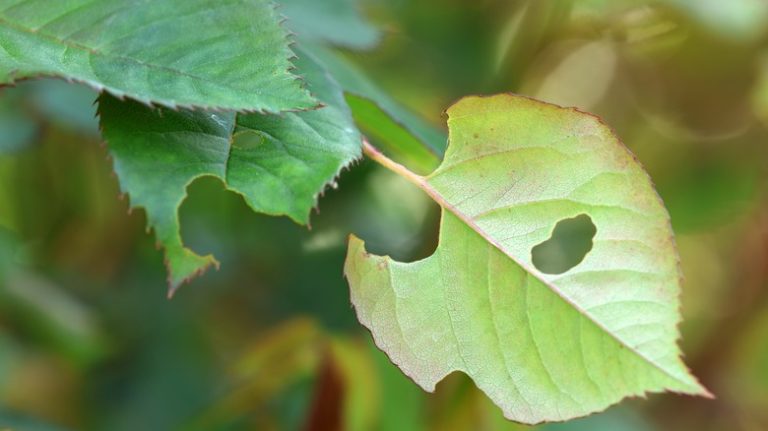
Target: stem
{"x": 413, "y": 178}
{"x": 379, "y": 157}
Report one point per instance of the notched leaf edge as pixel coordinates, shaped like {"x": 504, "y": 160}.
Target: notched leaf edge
{"x": 357, "y": 246}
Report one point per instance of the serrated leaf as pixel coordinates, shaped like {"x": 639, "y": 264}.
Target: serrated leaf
{"x": 202, "y": 53}
{"x": 335, "y": 21}
{"x": 278, "y": 163}
{"x": 544, "y": 347}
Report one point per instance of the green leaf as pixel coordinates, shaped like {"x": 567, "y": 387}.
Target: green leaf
{"x": 189, "y": 53}
{"x": 278, "y": 163}
{"x": 392, "y": 137}
{"x": 354, "y": 81}
{"x": 334, "y": 21}
{"x": 544, "y": 347}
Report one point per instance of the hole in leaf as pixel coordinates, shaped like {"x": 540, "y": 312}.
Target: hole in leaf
{"x": 571, "y": 240}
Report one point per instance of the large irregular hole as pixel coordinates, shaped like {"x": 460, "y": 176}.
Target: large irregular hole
{"x": 570, "y": 242}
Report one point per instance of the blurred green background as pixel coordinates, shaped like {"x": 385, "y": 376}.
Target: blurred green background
{"x": 88, "y": 340}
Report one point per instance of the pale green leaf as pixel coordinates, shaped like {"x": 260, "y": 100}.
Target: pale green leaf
{"x": 544, "y": 347}
{"x": 278, "y": 163}
{"x": 211, "y": 54}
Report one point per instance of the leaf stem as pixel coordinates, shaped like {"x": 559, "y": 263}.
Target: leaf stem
{"x": 417, "y": 180}
{"x": 374, "y": 154}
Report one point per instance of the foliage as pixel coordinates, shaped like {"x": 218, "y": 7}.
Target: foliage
{"x": 278, "y": 163}
{"x": 157, "y": 54}
{"x": 553, "y": 283}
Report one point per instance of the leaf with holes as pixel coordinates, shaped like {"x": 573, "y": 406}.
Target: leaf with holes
{"x": 545, "y": 344}
{"x": 278, "y": 163}
{"x": 203, "y": 53}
